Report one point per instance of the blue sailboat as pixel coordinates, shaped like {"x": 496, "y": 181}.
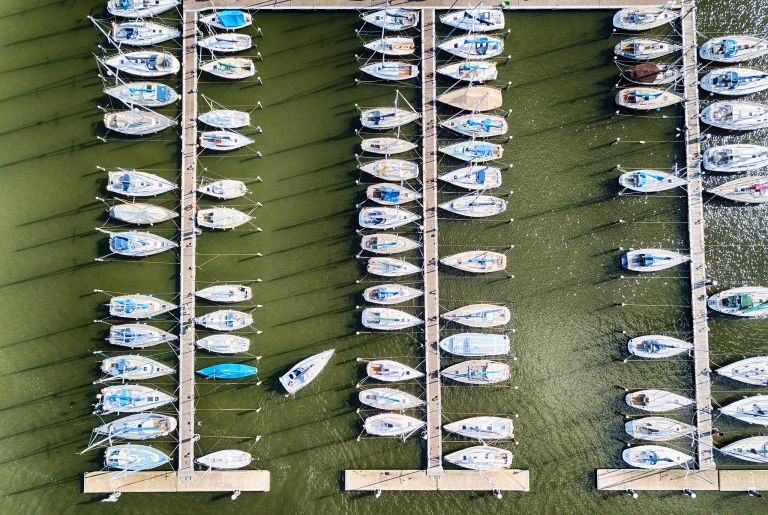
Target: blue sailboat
{"x": 228, "y": 371}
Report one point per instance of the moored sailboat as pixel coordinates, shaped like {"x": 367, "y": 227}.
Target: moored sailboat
{"x": 225, "y": 320}
{"x": 651, "y": 260}
{"x": 479, "y": 315}
{"x": 305, "y": 371}
{"x": 390, "y": 371}
{"x": 748, "y": 370}
{"x": 477, "y": 261}
{"x": 658, "y": 429}
{"x": 656, "y": 400}
{"x": 389, "y": 399}
{"x": 745, "y": 301}
{"x": 391, "y": 267}
{"x": 750, "y": 190}
{"x": 477, "y": 372}
{"x": 387, "y": 319}
{"x": 138, "y": 306}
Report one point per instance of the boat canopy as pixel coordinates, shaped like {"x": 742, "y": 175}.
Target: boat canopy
{"x": 645, "y": 72}
{"x": 231, "y": 19}
{"x": 390, "y": 194}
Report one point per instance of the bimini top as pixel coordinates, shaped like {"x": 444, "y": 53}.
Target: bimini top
{"x": 232, "y": 19}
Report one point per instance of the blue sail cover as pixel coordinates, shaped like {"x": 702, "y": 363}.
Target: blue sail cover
{"x": 231, "y": 19}
{"x": 730, "y": 47}
{"x": 390, "y": 195}
{"x": 163, "y": 93}
{"x": 228, "y": 371}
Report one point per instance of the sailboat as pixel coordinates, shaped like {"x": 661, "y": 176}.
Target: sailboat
{"x": 230, "y": 19}
{"x": 475, "y": 19}
{"x": 392, "y": 45}
{"x": 395, "y": 170}
{"x": 131, "y": 367}
{"x": 144, "y": 94}
{"x": 734, "y": 81}
{"x": 135, "y": 183}
{"x": 479, "y": 315}
{"x": 388, "y": 294}
{"x": 385, "y": 217}
{"x": 477, "y": 261}
{"x": 138, "y": 336}
{"x": 224, "y": 344}
{"x": 145, "y": 63}
{"x": 656, "y": 400}
{"x": 752, "y": 410}
{"x": 653, "y": 74}
{"x": 138, "y": 244}
{"x": 483, "y": 428}
{"x": 392, "y": 424}
{"x": 476, "y": 344}
{"x": 746, "y": 301}
{"x": 736, "y": 115}
{"x": 134, "y": 458}
{"x": 475, "y": 205}
{"x": 141, "y": 426}
{"x": 223, "y": 140}
{"x": 226, "y": 118}
{"x": 141, "y": 213}
{"x": 477, "y": 125}
{"x": 233, "y": 68}
{"x": 387, "y": 319}
{"x": 473, "y": 98}
{"x": 391, "y": 267}
{"x": 229, "y": 459}
{"x": 386, "y": 146}
{"x": 644, "y": 18}
{"x": 130, "y": 398}
{"x": 477, "y": 371}
{"x": 138, "y": 306}
{"x": 654, "y": 457}
{"x": 644, "y": 49}
{"x": 750, "y": 190}
{"x": 388, "y": 194}
{"x": 735, "y": 158}
{"x": 651, "y": 260}
{"x": 224, "y": 189}
{"x": 390, "y": 371}
{"x": 228, "y": 371}
{"x": 225, "y": 320}
{"x": 658, "y": 429}
{"x": 305, "y": 371}
{"x": 140, "y": 8}
{"x": 753, "y": 449}
{"x": 470, "y": 71}
{"x": 392, "y": 18}
{"x": 227, "y": 293}
{"x": 733, "y": 49}
{"x": 221, "y": 218}
{"x": 748, "y": 370}
{"x": 226, "y": 42}
{"x": 645, "y": 99}
{"x": 389, "y": 399}
{"x": 142, "y": 33}
{"x": 382, "y": 243}
{"x": 391, "y": 70}
{"x": 481, "y": 457}
{"x": 473, "y": 46}
{"x": 137, "y": 122}
{"x": 386, "y": 117}
{"x": 474, "y": 177}
{"x": 657, "y": 346}
{"x": 650, "y": 181}
{"x": 474, "y": 151}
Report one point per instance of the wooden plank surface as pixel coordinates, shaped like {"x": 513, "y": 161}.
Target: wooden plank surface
{"x": 155, "y": 482}
{"x": 637, "y": 479}
{"x": 419, "y": 480}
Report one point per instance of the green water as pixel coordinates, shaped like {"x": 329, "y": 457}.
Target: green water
{"x": 568, "y": 329}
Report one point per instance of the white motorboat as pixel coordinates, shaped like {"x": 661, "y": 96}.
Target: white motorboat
{"x": 390, "y": 371}
{"x": 388, "y": 194}
{"x": 134, "y": 458}
{"x": 475, "y": 205}
{"x": 735, "y": 158}
{"x": 392, "y": 45}
{"x": 473, "y": 46}
{"x": 752, "y": 410}
{"x": 141, "y": 426}
{"x": 224, "y": 189}
{"x": 753, "y": 449}
{"x": 481, "y": 457}
{"x": 392, "y": 18}
{"x": 141, "y": 213}
{"x": 479, "y": 315}
{"x": 144, "y": 94}
{"x": 385, "y": 217}
{"x": 222, "y": 218}
{"x": 657, "y": 346}
{"x": 644, "y": 49}
{"x": 138, "y": 244}
{"x": 654, "y": 457}
{"x": 391, "y": 70}
{"x": 746, "y": 301}
{"x": 476, "y": 344}
{"x": 137, "y": 122}
{"x": 650, "y": 181}
{"x": 483, "y": 428}
{"x": 388, "y": 294}
{"x": 392, "y": 424}
{"x": 748, "y": 370}
{"x": 736, "y": 115}
{"x": 382, "y": 243}
{"x": 651, "y": 260}
{"x": 142, "y": 33}
{"x": 226, "y": 118}
{"x": 233, "y": 68}
{"x": 140, "y": 8}
{"x": 642, "y": 98}
{"x": 130, "y": 398}
{"x": 223, "y": 140}
{"x": 470, "y": 71}
{"x": 226, "y": 42}
{"x": 389, "y": 399}
{"x": 391, "y": 267}
{"x": 138, "y": 336}
{"x": 135, "y": 183}
{"x": 473, "y": 151}
{"x": 477, "y": 371}
{"x": 474, "y": 177}
{"x": 477, "y": 125}
{"x": 387, "y": 319}
{"x": 145, "y": 63}
{"x": 138, "y": 306}
{"x": 733, "y": 49}
{"x": 653, "y": 74}
{"x": 230, "y": 19}
{"x": 386, "y": 117}
{"x": 477, "y": 99}
{"x": 225, "y": 320}
{"x": 477, "y": 261}
{"x": 131, "y": 367}
{"x": 224, "y": 344}
{"x": 734, "y": 81}
{"x": 644, "y": 18}
{"x": 658, "y": 429}
{"x": 750, "y": 190}
{"x": 304, "y": 372}
{"x": 386, "y": 146}
{"x": 475, "y": 19}
{"x": 395, "y": 170}
{"x": 229, "y": 459}
{"x": 227, "y": 293}
{"x": 656, "y": 400}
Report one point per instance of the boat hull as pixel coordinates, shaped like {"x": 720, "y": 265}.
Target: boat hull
{"x": 650, "y": 181}
{"x": 481, "y": 457}
{"x": 750, "y": 190}
{"x": 651, "y": 260}
{"x": 389, "y": 371}
{"x": 389, "y": 399}
{"x": 479, "y": 315}
{"x": 224, "y": 344}
{"x": 656, "y": 401}
{"x": 644, "y": 49}
{"x": 230, "y": 459}
{"x": 657, "y": 346}
{"x": 391, "y": 267}
{"x": 477, "y": 372}
{"x": 752, "y": 371}
{"x": 385, "y": 319}
{"x": 658, "y": 429}
{"x": 736, "y": 115}
{"x": 733, "y": 49}
{"x": 654, "y": 457}
{"x": 752, "y": 410}
{"x": 734, "y": 81}
{"x": 234, "y": 68}
{"x": 305, "y": 371}
{"x": 477, "y": 262}
{"x": 735, "y": 158}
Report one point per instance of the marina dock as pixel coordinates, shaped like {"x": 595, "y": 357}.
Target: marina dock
{"x": 420, "y": 480}
{"x": 158, "y": 482}
{"x": 414, "y": 4}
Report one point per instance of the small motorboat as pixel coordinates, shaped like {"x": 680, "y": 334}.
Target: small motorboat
{"x": 477, "y": 371}
{"x": 477, "y": 125}
{"x": 388, "y": 294}
{"x": 656, "y": 400}
{"x": 226, "y": 42}
{"x": 385, "y": 217}
{"x": 653, "y": 74}
{"x": 655, "y": 457}
{"x": 736, "y": 115}
{"x": 223, "y": 140}
{"x": 644, "y": 49}
{"x": 751, "y": 190}
{"x": 141, "y": 213}
{"x": 475, "y": 205}
{"x": 226, "y": 118}
{"x": 392, "y": 45}
{"x": 141, "y": 426}
{"x": 381, "y": 243}
{"x": 228, "y": 371}
{"x": 470, "y": 71}
{"x": 137, "y": 122}
{"x": 651, "y": 260}
{"x": 746, "y": 301}
{"x": 134, "y": 183}
{"x": 474, "y": 151}
{"x": 474, "y": 177}
{"x": 227, "y": 293}
{"x": 229, "y": 459}
{"x": 388, "y": 194}
{"x": 752, "y": 410}
{"x": 389, "y": 399}
{"x": 386, "y": 146}
{"x": 130, "y": 398}
{"x": 733, "y": 49}
{"x": 387, "y": 319}
{"x": 657, "y": 346}
{"x": 395, "y": 170}
{"x": 131, "y": 367}
{"x": 642, "y": 98}
{"x": 391, "y": 267}
{"x": 734, "y": 81}
{"x": 477, "y": 99}
{"x": 305, "y": 371}
{"x": 392, "y": 18}
{"x": 753, "y": 449}
{"x": 221, "y": 218}
{"x": 233, "y": 68}
{"x": 224, "y": 344}
{"x": 748, "y": 370}
{"x": 391, "y": 371}
{"x": 477, "y": 261}
{"x": 142, "y": 33}
{"x": 140, "y": 8}
{"x": 138, "y": 306}
{"x": 392, "y": 424}
{"x": 735, "y": 158}
{"x": 476, "y": 19}
{"x": 225, "y": 320}
{"x": 138, "y": 244}
{"x": 224, "y": 189}
{"x": 386, "y": 117}
{"x": 230, "y": 19}
{"x": 479, "y": 315}
{"x": 481, "y": 457}
{"x": 650, "y": 181}
{"x": 134, "y": 458}
{"x": 391, "y": 70}
{"x": 138, "y": 336}
{"x": 476, "y": 344}
{"x": 473, "y": 46}
{"x": 483, "y": 428}
{"x": 144, "y": 94}
{"x": 644, "y": 18}
{"x": 145, "y": 63}
{"x": 658, "y": 429}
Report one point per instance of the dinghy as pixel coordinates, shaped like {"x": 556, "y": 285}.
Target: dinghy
{"x": 226, "y": 42}
{"x": 391, "y": 45}
{"x": 654, "y": 457}
{"x": 389, "y": 399}
{"x": 388, "y": 194}
{"x": 228, "y": 371}
{"x": 223, "y": 140}
{"x": 305, "y": 371}
{"x": 733, "y": 49}
{"x": 390, "y": 371}
{"x": 643, "y": 18}
{"x": 473, "y": 46}
{"x": 224, "y": 189}
{"x": 476, "y": 19}
{"x": 748, "y": 370}
{"x": 225, "y": 320}
{"x": 381, "y": 243}
{"x": 477, "y": 125}
{"x": 470, "y": 71}
{"x": 392, "y": 424}
{"x": 746, "y": 301}
{"x": 473, "y": 98}
{"x": 141, "y": 426}
{"x": 388, "y": 294}
{"x": 475, "y": 205}
{"x": 224, "y": 344}
{"x": 479, "y": 315}
{"x": 656, "y": 400}
{"x": 481, "y": 457}
{"x": 657, "y": 346}
{"x": 736, "y": 115}
{"x": 644, "y": 49}
{"x": 138, "y": 306}
{"x": 482, "y": 428}
{"x": 137, "y": 122}
{"x": 145, "y": 63}
{"x": 140, "y": 8}
{"x": 233, "y": 68}
{"x": 386, "y": 117}
{"x": 230, "y": 19}
{"x": 142, "y": 33}
{"x": 226, "y": 118}
{"x": 752, "y": 410}
{"x": 658, "y": 429}
{"x": 221, "y": 218}
{"x": 227, "y": 293}
{"x": 477, "y": 371}
{"x": 141, "y": 213}
{"x": 650, "y": 181}
{"x": 651, "y": 260}
{"x": 646, "y": 99}
{"x": 138, "y": 244}
{"x": 131, "y": 367}
{"x": 653, "y": 74}
{"x": 394, "y": 170}
{"x": 474, "y": 151}
{"x": 138, "y": 336}
{"x": 474, "y": 177}
{"x": 476, "y": 344}
{"x": 137, "y": 184}
{"x": 753, "y": 449}
{"x": 387, "y": 319}
{"x": 134, "y": 458}
{"x": 392, "y": 18}
{"x": 386, "y": 146}
{"x": 751, "y": 190}
{"x": 391, "y": 267}
{"x": 144, "y": 94}
{"x": 477, "y": 261}
{"x": 391, "y": 70}
{"x": 385, "y": 217}
{"x": 130, "y": 398}
{"x": 735, "y": 158}
{"x": 229, "y": 459}
{"x": 734, "y": 81}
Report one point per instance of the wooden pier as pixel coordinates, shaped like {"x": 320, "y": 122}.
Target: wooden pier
{"x": 421, "y": 480}
{"x": 202, "y": 5}
{"x": 159, "y": 482}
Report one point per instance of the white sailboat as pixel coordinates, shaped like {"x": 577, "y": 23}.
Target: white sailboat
{"x": 654, "y": 457}
{"x": 222, "y": 218}
{"x": 138, "y": 336}
{"x": 226, "y": 118}
{"x": 481, "y": 457}
{"x": 475, "y": 19}
{"x": 752, "y": 410}
{"x": 657, "y": 346}
{"x": 392, "y": 18}
{"x": 470, "y": 71}
{"x": 734, "y": 81}
{"x": 390, "y": 371}
{"x": 145, "y": 63}
{"x": 391, "y": 267}
{"x": 137, "y": 244}
{"x": 656, "y": 400}
{"x": 736, "y": 115}
{"x": 387, "y": 117}
{"x": 142, "y": 33}
{"x": 229, "y": 19}
{"x": 644, "y": 18}
{"x": 477, "y": 125}
{"x": 658, "y": 429}
{"x": 138, "y": 306}
{"x": 477, "y": 372}
{"x": 479, "y": 315}
{"x": 651, "y": 260}
{"x": 392, "y": 424}
{"x": 748, "y": 370}
{"x": 385, "y": 217}
{"x": 305, "y": 371}
{"x": 477, "y": 261}
{"x": 130, "y": 398}
{"x": 476, "y": 344}
{"x": 226, "y": 42}
{"x": 735, "y": 158}
{"x": 144, "y": 94}
{"x": 387, "y": 319}
{"x": 141, "y": 213}
{"x": 392, "y": 45}
{"x": 653, "y": 74}
{"x": 132, "y": 367}
{"x": 382, "y": 243}
{"x": 224, "y": 189}
{"x": 395, "y": 170}
{"x": 389, "y": 399}
{"x": 389, "y": 194}
{"x": 483, "y": 428}
{"x": 388, "y": 294}
{"x": 391, "y": 70}
{"x": 225, "y": 320}
{"x": 137, "y": 122}
{"x": 141, "y": 426}
{"x": 643, "y": 98}
{"x": 745, "y": 301}
{"x": 232, "y": 68}
{"x": 224, "y": 344}
{"x": 753, "y": 449}
{"x": 229, "y": 459}
{"x": 474, "y": 177}
{"x": 750, "y": 190}
{"x": 134, "y": 458}
{"x": 733, "y": 49}
{"x": 473, "y": 151}
{"x": 650, "y": 181}
{"x": 226, "y": 293}
{"x": 140, "y": 8}
{"x": 223, "y": 140}
{"x": 386, "y": 146}
{"x": 473, "y": 46}
{"x": 645, "y": 49}
{"x": 475, "y": 205}
{"x": 135, "y": 183}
